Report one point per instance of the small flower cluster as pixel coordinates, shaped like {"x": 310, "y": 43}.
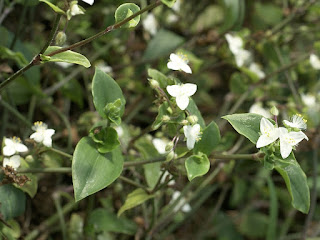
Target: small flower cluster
{"x": 182, "y": 92}
{"x": 242, "y": 56}
{"x": 289, "y": 136}
{"x": 13, "y": 146}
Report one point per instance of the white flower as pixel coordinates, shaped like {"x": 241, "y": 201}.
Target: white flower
{"x": 235, "y": 43}
{"x": 297, "y": 121}
{"x": 192, "y": 133}
{"x": 314, "y": 61}
{"x": 179, "y": 62}
{"x": 255, "y": 68}
{"x": 182, "y": 204}
{"x": 75, "y": 9}
{"x": 182, "y": 93}
{"x": 242, "y": 57}
{"x": 258, "y": 109}
{"x": 13, "y": 146}
{"x": 160, "y": 145}
{"x": 13, "y": 162}
{"x": 288, "y": 140}
{"x": 88, "y": 1}
{"x": 308, "y": 99}
{"x": 43, "y": 134}
{"x": 150, "y": 24}
{"x": 269, "y": 132}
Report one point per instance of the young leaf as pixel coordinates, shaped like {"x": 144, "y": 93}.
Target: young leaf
{"x": 126, "y": 10}
{"x": 169, "y": 3}
{"x": 134, "y": 199}
{"x": 234, "y": 14}
{"x": 105, "y": 90}
{"x": 12, "y": 201}
{"x": 106, "y": 139}
{"x": 67, "y": 56}
{"x": 93, "y": 171}
{"x": 209, "y": 140}
{"x": 296, "y": 182}
{"x": 246, "y": 124}
{"x": 197, "y": 165}
{"x": 53, "y": 7}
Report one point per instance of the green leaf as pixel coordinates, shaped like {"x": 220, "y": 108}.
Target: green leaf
{"x": 161, "y": 112}
{"x": 106, "y": 139}
{"x": 113, "y": 111}
{"x": 104, "y": 220}
{"x": 234, "y": 14}
{"x": 12, "y": 201}
{"x": 6, "y": 53}
{"x": 31, "y": 186}
{"x": 105, "y": 90}
{"x": 93, "y": 171}
{"x": 67, "y": 56}
{"x": 197, "y": 165}
{"x": 296, "y": 182}
{"x": 162, "y": 44}
{"x": 193, "y": 110}
{"x": 159, "y": 77}
{"x": 169, "y": 3}
{"x": 126, "y": 10}
{"x": 54, "y": 7}
{"x": 246, "y": 124}
{"x": 209, "y": 140}
{"x": 273, "y": 211}
{"x": 134, "y": 199}
{"x": 11, "y": 233}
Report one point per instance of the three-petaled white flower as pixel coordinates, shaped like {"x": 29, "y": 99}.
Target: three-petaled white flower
{"x": 297, "y": 121}
{"x": 288, "y": 140}
{"x": 43, "y": 134}
{"x": 192, "y": 133}
{"x": 269, "y": 133}
{"x": 315, "y": 61}
{"x": 13, "y": 162}
{"x": 179, "y": 62}
{"x": 182, "y": 92}
{"x": 75, "y": 9}
{"x": 255, "y": 68}
{"x": 88, "y": 1}
{"x": 242, "y": 57}
{"x": 13, "y": 146}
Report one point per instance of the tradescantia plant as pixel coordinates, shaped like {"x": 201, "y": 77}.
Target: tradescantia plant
{"x": 179, "y": 143}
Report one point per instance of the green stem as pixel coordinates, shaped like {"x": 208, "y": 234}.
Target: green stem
{"x": 60, "y": 152}
{"x": 45, "y": 170}
{"x": 52, "y": 33}
{"x": 138, "y": 163}
{"x": 133, "y": 183}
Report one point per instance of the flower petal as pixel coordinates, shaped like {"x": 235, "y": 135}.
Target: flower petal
{"x": 264, "y": 140}
{"x": 47, "y": 141}
{"x": 173, "y": 65}
{"x": 190, "y": 142}
{"x": 285, "y": 148}
{"x": 15, "y": 161}
{"x": 186, "y": 68}
{"x": 49, "y": 132}
{"x": 88, "y": 1}
{"x": 265, "y": 125}
{"x": 189, "y": 89}
{"x": 21, "y": 147}
{"x": 8, "y": 142}
{"x": 174, "y": 90}
{"x": 175, "y": 58}
{"x": 38, "y": 137}
{"x": 297, "y": 136}
{"x": 182, "y": 102}
{"x": 8, "y": 150}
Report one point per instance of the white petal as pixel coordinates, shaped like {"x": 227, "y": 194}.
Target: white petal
{"x": 21, "y": 148}
{"x": 5, "y": 162}
{"x": 15, "y": 161}
{"x": 297, "y": 136}
{"x": 285, "y": 149}
{"x": 173, "y": 65}
{"x": 47, "y": 142}
{"x": 314, "y": 61}
{"x": 8, "y": 150}
{"x": 160, "y": 145}
{"x": 265, "y": 125}
{"x": 185, "y": 67}
{"x": 189, "y": 89}
{"x": 8, "y": 142}
{"x": 195, "y": 130}
{"x": 264, "y": 140}
{"x": 174, "y": 90}
{"x": 88, "y": 1}
{"x": 190, "y": 142}
{"x": 187, "y": 131}
{"x": 38, "y": 137}
{"x": 186, "y": 208}
{"x": 182, "y": 102}
{"x": 49, "y": 132}
{"x": 175, "y": 58}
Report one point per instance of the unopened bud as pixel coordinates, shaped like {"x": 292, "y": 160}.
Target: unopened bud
{"x": 192, "y": 119}
{"x": 184, "y": 122}
{"x": 274, "y": 111}
{"x": 169, "y": 109}
{"x": 165, "y": 118}
{"x": 170, "y": 156}
{"x": 169, "y": 146}
{"x": 61, "y": 38}
{"x": 154, "y": 84}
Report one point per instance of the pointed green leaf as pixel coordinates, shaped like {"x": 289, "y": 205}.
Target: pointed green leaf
{"x": 105, "y": 90}
{"x": 246, "y": 124}
{"x": 193, "y": 110}
{"x": 197, "y": 165}
{"x": 209, "y": 140}
{"x": 54, "y": 7}
{"x": 126, "y": 10}
{"x": 67, "y": 56}
{"x": 93, "y": 171}
{"x": 296, "y": 182}
{"x": 12, "y": 201}
{"x": 134, "y": 199}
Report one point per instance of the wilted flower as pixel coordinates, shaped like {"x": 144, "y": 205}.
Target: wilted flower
{"x": 13, "y": 146}
{"x": 75, "y": 9}
{"x": 182, "y": 92}
{"x": 13, "y": 162}
{"x": 297, "y": 121}
{"x": 192, "y": 133}
{"x": 269, "y": 133}
{"x": 42, "y": 134}
{"x": 179, "y": 62}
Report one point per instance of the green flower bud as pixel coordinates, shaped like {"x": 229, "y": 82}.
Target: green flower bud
{"x": 192, "y": 119}
{"x": 170, "y": 156}
{"x": 169, "y": 146}
{"x": 169, "y": 109}
{"x": 154, "y": 84}
{"x": 165, "y": 118}
{"x": 274, "y": 111}
{"x": 61, "y": 38}
{"x": 184, "y": 122}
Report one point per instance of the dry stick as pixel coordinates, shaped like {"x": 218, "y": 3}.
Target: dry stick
{"x": 37, "y": 59}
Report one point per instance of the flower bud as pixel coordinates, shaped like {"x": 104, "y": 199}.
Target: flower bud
{"x": 192, "y": 119}
{"x": 61, "y": 38}
{"x": 274, "y": 111}
{"x": 169, "y": 109}
{"x": 169, "y": 146}
{"x": 170, "y": 156}
{"x": 154, "y": 84}
{"x": 165, "y": 118}
{"x": 184, "y": 122}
